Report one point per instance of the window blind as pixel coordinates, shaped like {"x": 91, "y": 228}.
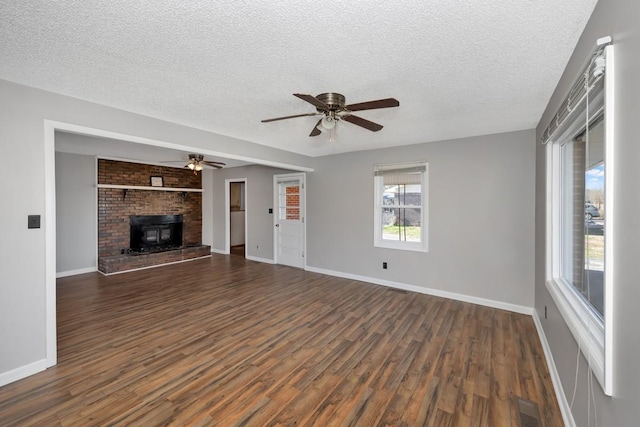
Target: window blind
{"x": 409, "y": 173}
{"x": 590, "y": 78}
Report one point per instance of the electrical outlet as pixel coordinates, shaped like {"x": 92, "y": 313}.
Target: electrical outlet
{"x": 384, "y": 265}
{"x": 258, "y": 247}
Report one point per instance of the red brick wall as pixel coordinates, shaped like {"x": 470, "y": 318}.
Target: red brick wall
{"x": 293, "y": 202}
{"x": 115, "y": 206}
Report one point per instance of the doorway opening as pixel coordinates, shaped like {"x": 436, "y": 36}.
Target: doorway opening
{"x": 236, "y": 216}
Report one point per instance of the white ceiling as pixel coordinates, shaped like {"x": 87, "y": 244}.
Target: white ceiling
{"x": 458, "y": 67}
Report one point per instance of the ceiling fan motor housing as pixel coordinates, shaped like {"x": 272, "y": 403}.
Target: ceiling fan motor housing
{"x": 334, "y": 101}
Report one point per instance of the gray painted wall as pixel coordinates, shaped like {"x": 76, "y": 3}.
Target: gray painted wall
{"x": 207, "y": 207}
{"x": 481, "y": 217}
{"x": 22, "y": 263}
{"x": 76, "y": 212}
{"x": 619, "y": 19}
{"x": 259, "y": 198}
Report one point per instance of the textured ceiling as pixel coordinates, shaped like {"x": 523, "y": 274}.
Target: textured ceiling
{"x": 458, "y": 67}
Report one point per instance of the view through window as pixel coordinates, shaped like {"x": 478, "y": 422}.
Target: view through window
{"x": 583, "y": 214}
{"x": 401, "y": 215}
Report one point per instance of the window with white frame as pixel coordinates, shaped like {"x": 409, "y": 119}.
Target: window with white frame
{"x": 400, "y": 206}
{"x": 579, "y": 214}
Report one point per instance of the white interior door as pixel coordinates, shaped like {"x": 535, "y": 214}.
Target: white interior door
{"x": 289, "y": 235}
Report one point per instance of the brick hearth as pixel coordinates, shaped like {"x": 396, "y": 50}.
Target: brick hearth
{"x": 120, "y": 263}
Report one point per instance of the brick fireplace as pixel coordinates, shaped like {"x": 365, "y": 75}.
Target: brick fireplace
{"x": 125, "y": 191}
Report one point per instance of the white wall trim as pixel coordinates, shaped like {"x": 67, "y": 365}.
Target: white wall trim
{"x": 428, "y": 291}
{"x": 50, "y": 127}
{"x": 22, "y": 372}
{"x": 51, "y": 334}
{"x": 258, "y": 259}
{"x": 565, "y": 409}
{"x": 219, "y": 251}
{"x": 68, "y": 273}
{"x": 83, "y": 130}
{"x": 154, "y": 266}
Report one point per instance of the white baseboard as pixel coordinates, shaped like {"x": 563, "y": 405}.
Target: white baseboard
{"x": 154, "y": 266}
{"x": 22, "y": 372}
{"x": 258, "y": 259}
{"x": 428, "y": 291}
{"x": 565, "y": 409}
{"x": 76, "y": 272}
{"x": 219, "y": 251}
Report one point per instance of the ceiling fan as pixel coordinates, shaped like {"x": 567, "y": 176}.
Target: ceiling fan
{"x": 197, "y": 162}
{"x": 333, "y": 107}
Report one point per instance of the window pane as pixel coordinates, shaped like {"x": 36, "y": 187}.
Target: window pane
{"x": 582, "y": 214}
{"x": 402, "y": 195}
{"x": 401, "y": 224}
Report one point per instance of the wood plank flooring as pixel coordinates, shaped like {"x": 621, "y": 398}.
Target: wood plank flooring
{"x": 225, "y": 341}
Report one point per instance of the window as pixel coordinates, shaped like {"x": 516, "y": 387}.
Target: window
{"x": 582, "y": 211}
{"x": 579, "y": 212}
{"x": 400, "y": 206}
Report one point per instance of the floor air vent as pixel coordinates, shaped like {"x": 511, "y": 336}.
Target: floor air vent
{"x": 528, "y": 415}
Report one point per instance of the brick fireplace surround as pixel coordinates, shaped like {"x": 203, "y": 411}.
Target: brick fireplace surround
{"x": 116, "y": 205}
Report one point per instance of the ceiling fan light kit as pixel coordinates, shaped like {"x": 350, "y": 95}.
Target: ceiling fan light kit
{"x": 328, "y": 123}
{"x": 334, "y": 109}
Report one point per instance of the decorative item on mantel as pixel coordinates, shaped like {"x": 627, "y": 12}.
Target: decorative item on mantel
{"x": 156, "y": 181}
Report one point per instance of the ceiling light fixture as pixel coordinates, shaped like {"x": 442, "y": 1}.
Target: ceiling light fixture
{"x": 328, "y": 122}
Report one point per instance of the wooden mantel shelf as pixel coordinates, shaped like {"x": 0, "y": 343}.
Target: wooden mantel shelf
{"x": 140, "y": 187}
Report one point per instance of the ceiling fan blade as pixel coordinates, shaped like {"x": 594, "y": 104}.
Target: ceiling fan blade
{"x": 289, "y": 117}
{"x": 372, "y": 105}
{"x": 312, "y": 100}
{"x": 207, "y": 162}
{"x": 315, "y": 131}
{"x": 212, "y": 166}
{"x": 373, "y": 127}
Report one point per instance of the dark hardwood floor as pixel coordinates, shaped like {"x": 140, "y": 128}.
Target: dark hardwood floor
{"x": 225, "y": 341}
{"x": 237, "y": 250}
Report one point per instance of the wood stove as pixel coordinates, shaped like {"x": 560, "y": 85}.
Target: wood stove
{"x": 154, "y": 233}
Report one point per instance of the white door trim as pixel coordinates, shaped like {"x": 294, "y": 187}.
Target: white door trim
{"x": 227, "y": 214}
{"x": 303, "y": 179}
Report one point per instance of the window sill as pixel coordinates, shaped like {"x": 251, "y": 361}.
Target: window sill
{"x": 585, "y": 326}
{"x": 402, "y": 247}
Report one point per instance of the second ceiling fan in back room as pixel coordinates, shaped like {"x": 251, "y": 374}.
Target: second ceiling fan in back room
{"x": 197, "y": 162}
{"x": 333, "y": 107}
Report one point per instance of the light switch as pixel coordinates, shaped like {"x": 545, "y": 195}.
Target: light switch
{"x": 33, "y": 221}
